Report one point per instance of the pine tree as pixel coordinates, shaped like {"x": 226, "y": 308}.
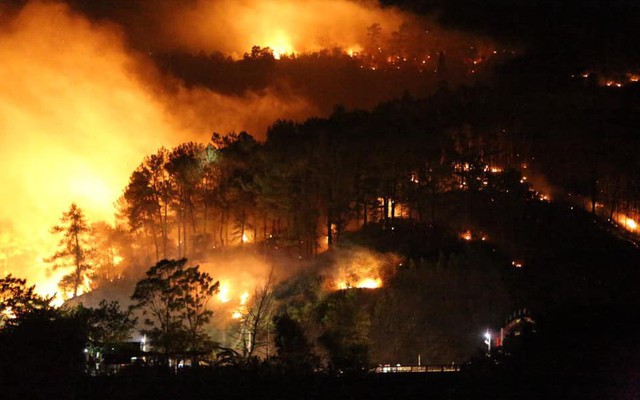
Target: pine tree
{"x": 74, "y": 251}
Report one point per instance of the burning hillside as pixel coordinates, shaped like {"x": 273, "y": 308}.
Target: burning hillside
{"x": 360, "y": 268}
{"x": 88, "y": 90}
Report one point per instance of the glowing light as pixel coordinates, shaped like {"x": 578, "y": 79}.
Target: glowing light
{"x": 466, "y": 235}
{"x": 354, "y": 51}
{"x": 245, "y": 238}
{"x": 517, "y": 264}
{"x": 244, "y": 298}
{"x": 630, "y": 223}
{"x": 223, "y": 293}
{"x": 8, "y": 313}
{"x": 236, "y": 315}
{"x": 366, "y": 283}
{"x": 370, "y": 283}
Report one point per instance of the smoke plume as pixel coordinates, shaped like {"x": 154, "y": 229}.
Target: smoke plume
{"x": 78, "y": 112}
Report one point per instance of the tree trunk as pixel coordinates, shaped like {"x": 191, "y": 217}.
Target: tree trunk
{"x": 179, "y": 236}
{"x": 242, "y": 224}
{"x": 164, "y": 230}
{"x": 364, "y": 213}
{"x": 221, "y": 227}
{"x": 329, "y": 231}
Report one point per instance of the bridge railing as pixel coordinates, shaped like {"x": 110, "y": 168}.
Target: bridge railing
{"x": 390, "y": 369}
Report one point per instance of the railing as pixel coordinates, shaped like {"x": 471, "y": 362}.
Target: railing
{"x": 390, "y": 369}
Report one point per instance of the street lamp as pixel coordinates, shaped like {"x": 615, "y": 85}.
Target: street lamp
{"x": 487, "y": 336}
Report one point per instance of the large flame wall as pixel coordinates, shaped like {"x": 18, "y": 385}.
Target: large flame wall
{"x": 78, "y": 112}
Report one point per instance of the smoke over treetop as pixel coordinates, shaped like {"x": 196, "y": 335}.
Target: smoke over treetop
{"x": 233, "y": 27}
{"x": 81, "y": 104}
{"x": 76, "y": 118}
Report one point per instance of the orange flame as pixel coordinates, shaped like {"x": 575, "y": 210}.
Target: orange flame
{"x": 360, "y": 268}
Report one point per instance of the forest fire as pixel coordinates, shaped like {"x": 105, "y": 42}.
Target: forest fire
{"x": 361, "y": 268}
{"x": 365, "y": 283}
{"x": 226, "y": 295}
{"x": 469, "y": 236}
{"x": 66, "y": 159}
{"x": 285, "y": 26}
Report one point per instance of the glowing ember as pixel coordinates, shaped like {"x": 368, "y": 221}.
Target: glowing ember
{"x": 466, "y": 235}
{"x": 517, "y": 264}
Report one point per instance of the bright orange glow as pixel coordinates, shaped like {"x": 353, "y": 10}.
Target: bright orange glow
{"x": 244, "y": 297}
{"x": 280, "y": 44}
{"x": 360, "y": 269}
{"x": 366, "y": 283}
{"x": 223, "y": 292}
{"x": 630, "y": 224}
{"x": 239, "y": 275}
{"x": 370, "y": 283}
{"x": 285, "y": 26}
{"x": 236, "y": 315}
{"x": 78, "y": 112}
{"x": 69, "y": 106}
{"x": 469, "y": 236}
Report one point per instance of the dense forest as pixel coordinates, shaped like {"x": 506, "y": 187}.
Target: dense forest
{"x": 471, "y": 206}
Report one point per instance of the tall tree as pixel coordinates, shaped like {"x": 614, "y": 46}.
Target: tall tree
{"x": 237, "y": 187}
{"x": 257, "y": 322}
{"x": 197, "y": 288}
{"x": 148, "y": 200}
{"x": 185, "y": 166}
{"x": 173, "y": 299}
{"x": 74, "y": 250}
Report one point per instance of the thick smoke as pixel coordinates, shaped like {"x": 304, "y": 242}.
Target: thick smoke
{"x": 78, "y": 112}
{"x": 82, "y": 100}
{"x": 233, "y": 26}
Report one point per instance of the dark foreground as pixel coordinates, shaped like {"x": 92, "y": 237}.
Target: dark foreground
{"x": 230, "y": 385}
{"x": 588, "y": 352}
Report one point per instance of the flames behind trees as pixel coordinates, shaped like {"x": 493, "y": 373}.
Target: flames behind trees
{"x": 72, "y": 101}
